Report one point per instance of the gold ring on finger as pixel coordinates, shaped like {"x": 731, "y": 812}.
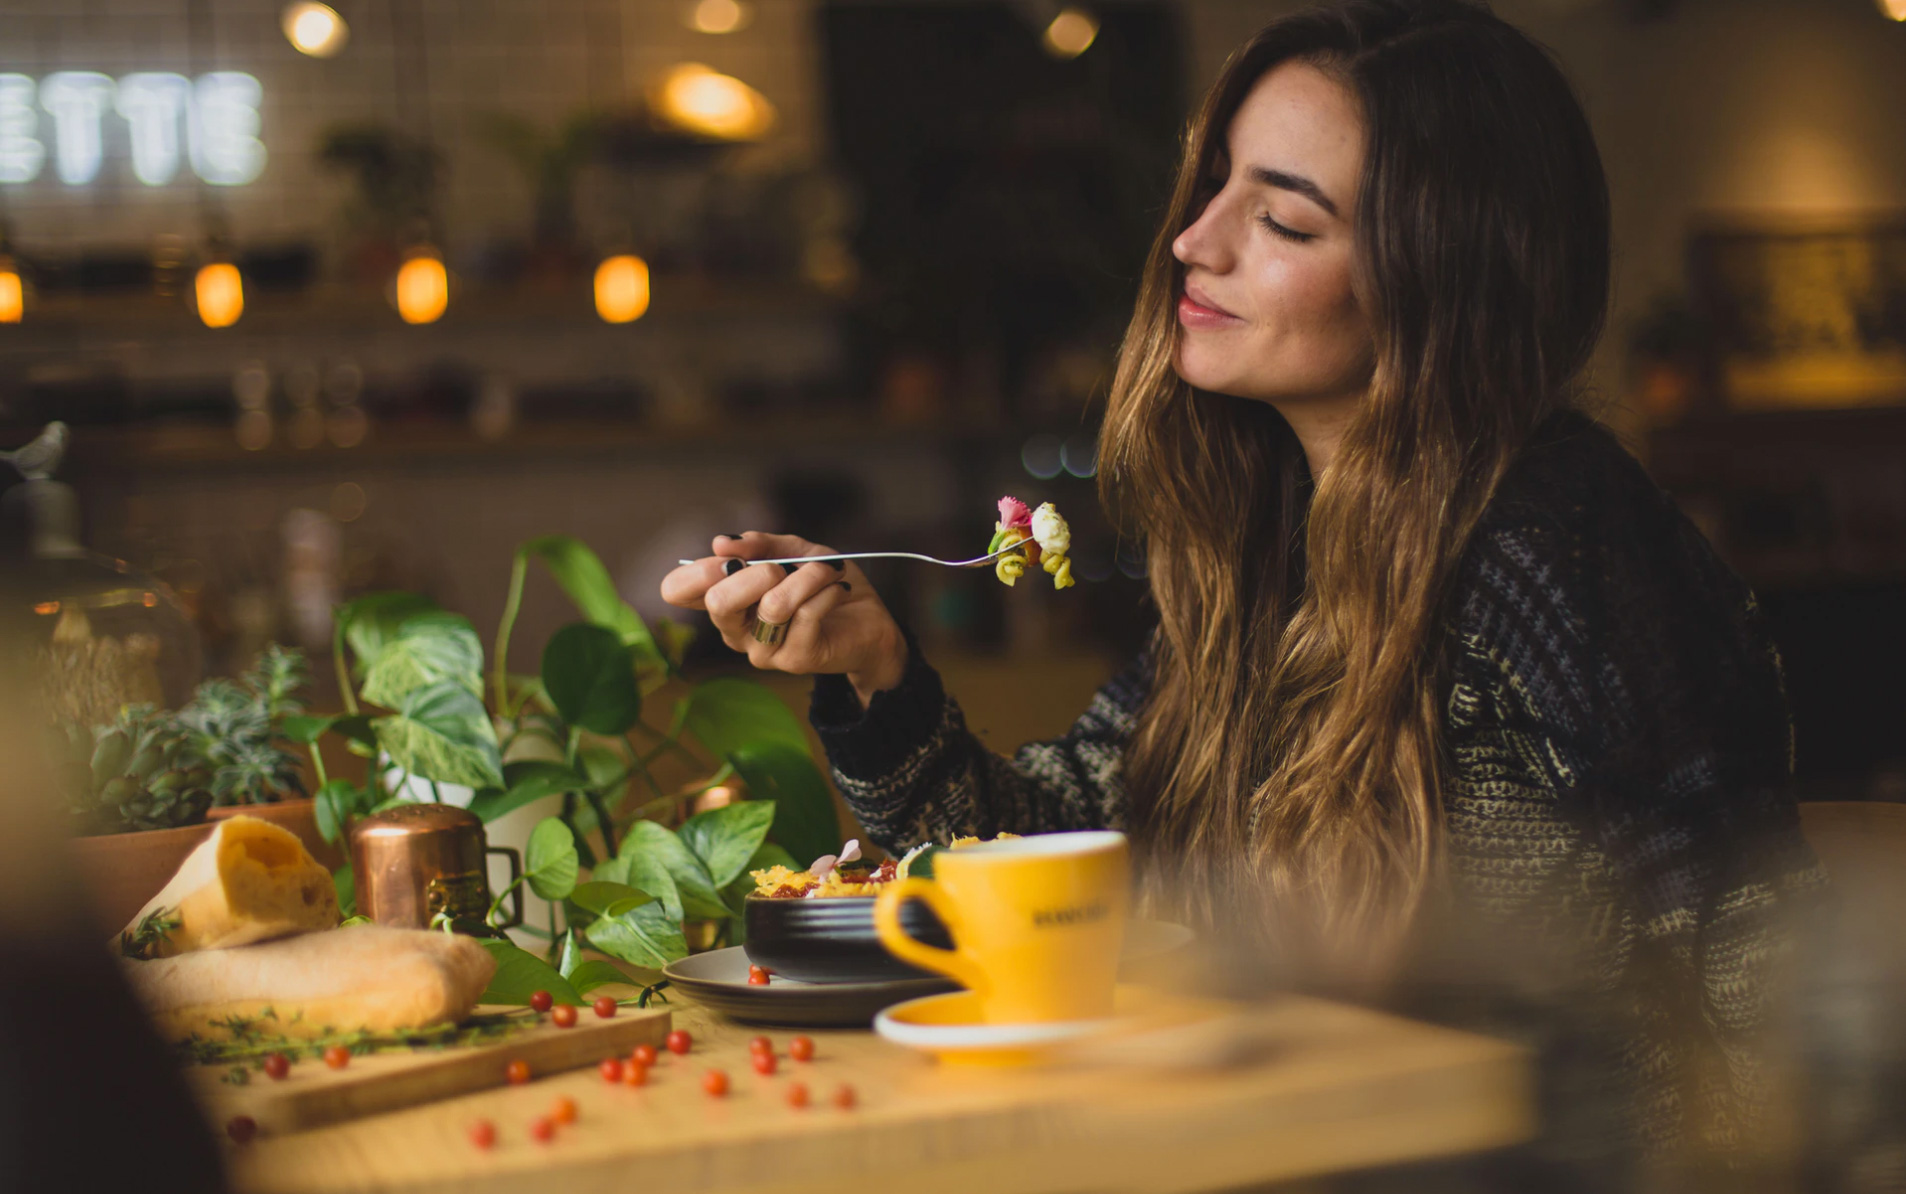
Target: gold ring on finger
{"x": 770, "y": 633}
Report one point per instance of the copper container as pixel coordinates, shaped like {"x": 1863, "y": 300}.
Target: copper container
{"x": 418, "y": 861}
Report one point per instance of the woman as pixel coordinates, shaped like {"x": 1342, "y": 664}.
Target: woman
{"x": 1431, "y": 648}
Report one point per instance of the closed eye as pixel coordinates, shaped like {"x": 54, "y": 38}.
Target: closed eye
{"x": 1290, "y": 234}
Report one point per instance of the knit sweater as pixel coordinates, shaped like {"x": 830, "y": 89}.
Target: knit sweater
{"x": 1615, "y": 794}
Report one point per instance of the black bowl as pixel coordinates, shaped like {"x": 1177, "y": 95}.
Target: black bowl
{"x": 833, "y": 940}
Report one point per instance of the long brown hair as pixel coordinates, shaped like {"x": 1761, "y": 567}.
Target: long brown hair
{"x": 1290, "y": 751}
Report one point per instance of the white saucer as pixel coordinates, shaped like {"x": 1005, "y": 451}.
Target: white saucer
{"x": 948, "y": 1026}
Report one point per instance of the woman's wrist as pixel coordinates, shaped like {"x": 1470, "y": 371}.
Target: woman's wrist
{"x": 885, "y": 672}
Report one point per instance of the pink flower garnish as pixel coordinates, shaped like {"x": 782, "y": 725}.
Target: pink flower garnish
{"x": 1013, "y": 513}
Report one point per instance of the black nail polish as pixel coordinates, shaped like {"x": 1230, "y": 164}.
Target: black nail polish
{"x": 839, "y": 565}
{"x": 731, "y": 566}
{"x": 847, "y": 586}
{"x": 735, "y": 537}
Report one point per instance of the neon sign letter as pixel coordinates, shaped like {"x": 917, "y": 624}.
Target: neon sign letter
{"x": 21, "y": 153}
{"x": 77, "y": 99}
{"x": 152, "y": 103}
{"x": 226, "y": 150}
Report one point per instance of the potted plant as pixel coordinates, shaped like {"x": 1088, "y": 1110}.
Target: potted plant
{"x": 622, "y": 865}
{"x": 142, "y": 789}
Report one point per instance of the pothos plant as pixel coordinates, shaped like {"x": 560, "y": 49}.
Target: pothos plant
{"x": 621, "y": 867}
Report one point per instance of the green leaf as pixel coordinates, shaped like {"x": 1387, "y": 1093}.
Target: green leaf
{"x": 652, "y": 847}
{"x": 428, "y": 648}
{"x": 307, "y": 729}
{"x": 520, "y": 974}
{"x": 589, "y": 674}
{"x": 606, "y": 898}
{"x": 646, "y": 937}
{"x": 597, "y": 973}
{"x": 524, "y": 783}
{"x": 333, "y": 806}
{"x": 646, "y": 873}
{"x": 549, "y": 861}
{"x": 372, "y": 620}
{"x": 345, "y": 883}
{"x": 442, "y": 732}
{"x": 805, "y": 820}
{"x": 728, "y": 714}
{"x": 580, "y": 573}
{"x": 922, "y": 865}
{"x": 673, "y": 638}
{"x": 725, "y": 838}
{"x": 571, "y": 955}
{"x": 738, "y": 890}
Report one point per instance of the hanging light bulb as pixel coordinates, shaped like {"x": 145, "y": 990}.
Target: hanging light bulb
{"x": 220, "y": 294}
{"x": 1071, "y": 33}
{"x": 622, "y": 288}
{"x": 719, "y": 16}
{"x": 12, "y": 294}
{"x": 314, "y": 29}
{"x": 423, "y": 287}
{"x": 707, "y": 103}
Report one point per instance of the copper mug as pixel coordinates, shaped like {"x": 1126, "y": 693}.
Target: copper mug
{"x": 416, "y": 862}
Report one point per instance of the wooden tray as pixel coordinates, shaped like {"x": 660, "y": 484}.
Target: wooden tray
{"x": 314, "y": 1094}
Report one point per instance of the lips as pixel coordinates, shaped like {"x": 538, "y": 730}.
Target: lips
{"x": 1197, "y": 310}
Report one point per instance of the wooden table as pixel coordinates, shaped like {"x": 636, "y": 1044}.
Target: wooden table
{"x": 1342, "y": 1089}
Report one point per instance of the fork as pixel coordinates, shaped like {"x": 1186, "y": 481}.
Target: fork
{"x": 885, "y": 555}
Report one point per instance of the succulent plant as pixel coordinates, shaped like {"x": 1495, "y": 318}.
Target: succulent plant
{"x": 234, "y": 726}
{"x": 141, "y": 772}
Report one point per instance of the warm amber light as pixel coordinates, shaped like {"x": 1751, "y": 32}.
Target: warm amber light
{"x": 622, "y": 288}
{"x": 1071, "y": 33}
{"x": 423, "y": 289}
{"x": 1896, "y": 9}
{"x": 719, "y": 16}
{"x": 220, "y": 293}
{"x": 315, "y": 29}
{"x": 12, "y": 295}
{"x": 710, "y": 104}
{"x": 47, "y": 607}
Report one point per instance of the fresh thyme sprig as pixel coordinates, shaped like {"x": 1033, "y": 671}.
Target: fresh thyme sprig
{"x": 152, "y": 929}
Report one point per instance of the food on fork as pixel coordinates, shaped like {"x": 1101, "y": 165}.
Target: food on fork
{"x": 1041, "y": 537}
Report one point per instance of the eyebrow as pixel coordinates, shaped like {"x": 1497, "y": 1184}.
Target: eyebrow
{"x": 1293, "y": 182}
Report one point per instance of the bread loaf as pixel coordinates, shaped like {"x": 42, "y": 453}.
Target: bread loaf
{"x": 250, "y": 881}
{"x": 364, "y": 978}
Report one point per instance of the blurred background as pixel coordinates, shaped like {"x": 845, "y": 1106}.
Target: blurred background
{"x": 349, "y": 298}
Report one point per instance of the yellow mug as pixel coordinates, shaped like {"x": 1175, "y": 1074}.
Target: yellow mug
{"x": 1037, "y": 923}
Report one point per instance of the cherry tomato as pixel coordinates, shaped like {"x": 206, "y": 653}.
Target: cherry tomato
{"x": 563, "y": 1110}
{"x": 797, "y": 1094}
{"x": 760, "y": 1044}
{"x": 483, "y": 1134}
{"x": 611, "y": 1069}
{"x": 605, "y": 1006}
{"x": 542, "y": 1129}
{"x": 636, "y": 1074}
{"x": 517, "y": 1072}
{"x": 715, "y": 1082}
{"x": 277, "y": 1065}
{"x": 763, "y": 1063}
{"x": 563, "y": 1015}
{"x": 643, "y": 1055}
{"x": 241, "y": 1128}
{"x": 801, "y": 1048}
{"x": 844, "y": 1097}
{"x": 758, "y": 976}
{"x": 679, "y": 1042}
{"x": 540, "y": 1000}
{"x": 337, "y": 1056}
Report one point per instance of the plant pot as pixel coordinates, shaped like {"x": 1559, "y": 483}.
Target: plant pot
{"x": 122, "y": 871}
{"x": 298, "y": 816}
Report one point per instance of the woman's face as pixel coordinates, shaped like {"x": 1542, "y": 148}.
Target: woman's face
{"x": 1267, "y": 310}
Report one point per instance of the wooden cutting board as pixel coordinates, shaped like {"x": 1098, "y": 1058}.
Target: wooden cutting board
{"x": 314, "y": 1094}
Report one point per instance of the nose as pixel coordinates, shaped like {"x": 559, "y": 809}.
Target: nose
{"x": 1204, "y": 244}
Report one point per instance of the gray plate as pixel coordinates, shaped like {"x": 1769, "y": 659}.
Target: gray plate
{"x": 719, "y": 979}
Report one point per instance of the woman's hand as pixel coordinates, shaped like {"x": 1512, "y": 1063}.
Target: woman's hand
{"x": 835, "y": 621}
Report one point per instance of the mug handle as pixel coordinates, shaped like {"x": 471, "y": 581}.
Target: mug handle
{"x": 516, "y": 893}
{"x": 953, "y": 962}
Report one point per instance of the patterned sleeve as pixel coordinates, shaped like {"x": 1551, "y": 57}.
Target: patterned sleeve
{"x": 1635, "y": 679}
{"x": 912, "y": 772}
